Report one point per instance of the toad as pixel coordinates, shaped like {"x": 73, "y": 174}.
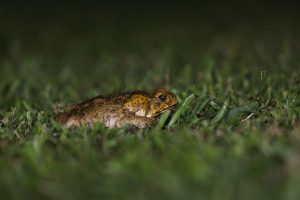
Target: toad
{"x": 136, "y": 108}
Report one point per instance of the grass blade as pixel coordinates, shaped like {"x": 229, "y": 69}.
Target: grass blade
{"x": 181, "y": 110}
{"x": 163, "y": 119}
{"x": 220, "y": 115}
{"x": 235, "y": 115}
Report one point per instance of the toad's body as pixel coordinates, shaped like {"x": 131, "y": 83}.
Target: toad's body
{"x": 131, "y": 108}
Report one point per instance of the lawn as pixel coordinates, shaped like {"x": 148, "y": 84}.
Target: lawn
{"x": 234, "y": 135}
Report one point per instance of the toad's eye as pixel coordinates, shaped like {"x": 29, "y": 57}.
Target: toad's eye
{"x": 162, "y": 97}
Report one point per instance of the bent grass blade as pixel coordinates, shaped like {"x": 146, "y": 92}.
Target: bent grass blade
{"x": 220, "y": 115}
{"x": 181, "y": 110}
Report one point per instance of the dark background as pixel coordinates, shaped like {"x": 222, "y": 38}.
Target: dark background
{"x": 118, "y": 25}
{"x": 86, "y": 36}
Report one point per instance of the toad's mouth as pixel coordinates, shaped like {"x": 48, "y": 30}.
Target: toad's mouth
{"x": 161, "y": 112}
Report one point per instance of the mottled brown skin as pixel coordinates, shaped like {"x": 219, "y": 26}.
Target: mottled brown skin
{"x": 135, "y": 108}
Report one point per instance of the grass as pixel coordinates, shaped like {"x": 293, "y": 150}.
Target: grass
{"x": 234, "y": 135}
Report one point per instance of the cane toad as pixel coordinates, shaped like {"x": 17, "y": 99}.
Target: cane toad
{"x": 135, "y": 108}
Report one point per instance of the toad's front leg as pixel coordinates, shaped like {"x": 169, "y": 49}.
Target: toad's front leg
{"x": 138, "y": 121}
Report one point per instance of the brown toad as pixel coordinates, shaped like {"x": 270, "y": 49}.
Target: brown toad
{"x": 135, "y": 108}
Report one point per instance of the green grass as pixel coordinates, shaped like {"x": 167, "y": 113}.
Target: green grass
{"x": 234, "y": 135}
